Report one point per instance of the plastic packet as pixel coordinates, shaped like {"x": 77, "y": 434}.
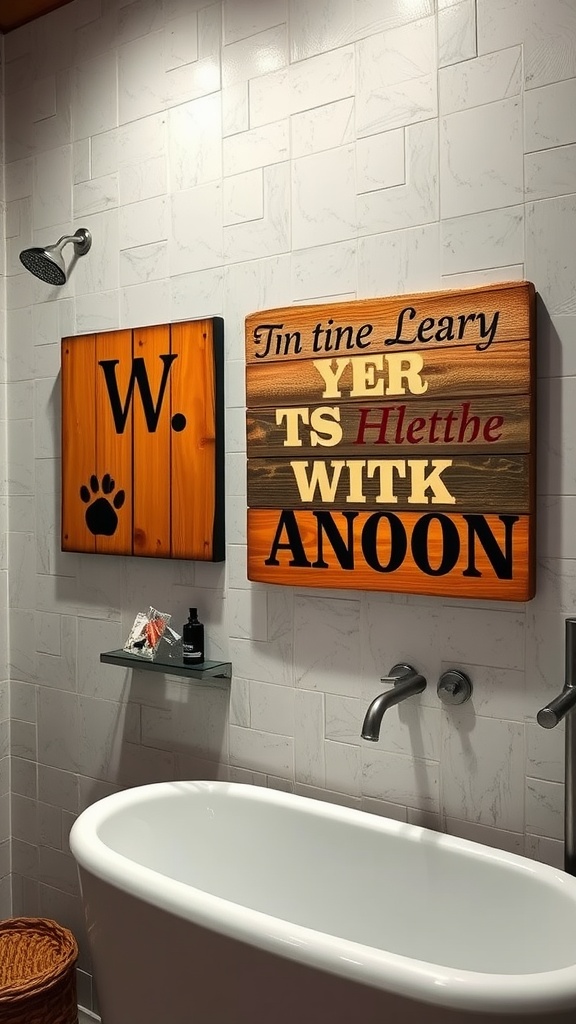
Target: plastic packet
{"x": 148, "y": 630}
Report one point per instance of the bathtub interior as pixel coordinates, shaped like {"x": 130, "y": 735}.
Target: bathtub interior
{"x": 385, "y": 885}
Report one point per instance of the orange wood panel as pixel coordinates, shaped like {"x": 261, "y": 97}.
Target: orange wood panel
{"x": 408, "y": 577}
{"x": 501, "y": 312}
{"x": 113, "y": 449}
{"x": 78, "y": 440}
{"x": 152, "y": 446}
{"x": 194, "y": 447}
{"x": 143, "y": 448}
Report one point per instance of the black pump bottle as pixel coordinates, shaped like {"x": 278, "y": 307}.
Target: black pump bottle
{"x": 193, "y": 640}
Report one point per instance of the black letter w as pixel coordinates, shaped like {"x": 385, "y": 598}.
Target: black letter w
{"x": 151, "y": 411}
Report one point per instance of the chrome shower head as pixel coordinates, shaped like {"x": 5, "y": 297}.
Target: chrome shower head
{"x": 48, "y": 263}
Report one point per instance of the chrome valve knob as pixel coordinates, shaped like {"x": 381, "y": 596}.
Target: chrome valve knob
{"x": 454, "y": 687}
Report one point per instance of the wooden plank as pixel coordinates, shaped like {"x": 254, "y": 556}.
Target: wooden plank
{"x": 14, "y": 13}
{"x": 439, "y": 553}
{"x": 448, "y": 373}
{"x": 78, "y": 440}
{"x": 478, "y": 316}
{"x": 468, "y": 483}
{"x": 113, "y": 512}
{"x": 489, "y": 425}
{"x": 193, "y": 460}
{"x": 152, "y": 438}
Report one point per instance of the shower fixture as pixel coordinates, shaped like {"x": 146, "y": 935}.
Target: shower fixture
{"x": 48, "y": 263}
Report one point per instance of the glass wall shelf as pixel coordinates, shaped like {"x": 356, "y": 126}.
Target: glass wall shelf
{"x": 170, "y": 662}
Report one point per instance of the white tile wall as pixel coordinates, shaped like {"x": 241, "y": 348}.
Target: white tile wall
{"x": 230, "y": 155}
{"x": 456, "y": 32}
{"x": 481, "y": 158}
{"x": 397, "y": 77}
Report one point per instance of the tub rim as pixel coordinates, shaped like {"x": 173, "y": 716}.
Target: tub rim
{"x": 396, "y": 973}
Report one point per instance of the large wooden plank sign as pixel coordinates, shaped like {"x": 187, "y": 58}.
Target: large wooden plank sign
{"x": 142, "y": 441}
{"x": 391, "y": 444}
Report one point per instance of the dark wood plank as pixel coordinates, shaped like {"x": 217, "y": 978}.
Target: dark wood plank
{"x": 14, "y": 13}
{"x": 475, "y": 483}
{"x": 501, "y": 425}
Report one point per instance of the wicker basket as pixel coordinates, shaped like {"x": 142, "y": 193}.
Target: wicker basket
{"x": 37, "y": 972}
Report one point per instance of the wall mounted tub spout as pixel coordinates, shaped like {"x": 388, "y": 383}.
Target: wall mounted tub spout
{"x": 548, "y": 717}
{"x": 407, "y": 682}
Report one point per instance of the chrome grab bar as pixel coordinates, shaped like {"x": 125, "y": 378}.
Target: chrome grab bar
{"x": 549, "y": 717}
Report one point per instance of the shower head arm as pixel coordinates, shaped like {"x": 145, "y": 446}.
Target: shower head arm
{"x": 82, "y": 240}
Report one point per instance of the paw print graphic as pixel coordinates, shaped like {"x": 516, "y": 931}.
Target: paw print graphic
{"x": 101, "y": 518}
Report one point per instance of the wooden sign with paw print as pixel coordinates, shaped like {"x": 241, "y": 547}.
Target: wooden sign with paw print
{"x": 142, "y": 441}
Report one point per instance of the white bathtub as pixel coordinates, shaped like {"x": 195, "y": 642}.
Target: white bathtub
{"x": 213, "y": 903}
